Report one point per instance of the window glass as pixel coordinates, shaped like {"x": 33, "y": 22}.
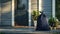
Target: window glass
{"x": 21, "y": 13}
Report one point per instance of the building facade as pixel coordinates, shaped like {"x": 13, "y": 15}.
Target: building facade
{"x": 7, "y": 10}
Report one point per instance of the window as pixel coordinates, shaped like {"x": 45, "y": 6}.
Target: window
{"x": 21, "y": 13}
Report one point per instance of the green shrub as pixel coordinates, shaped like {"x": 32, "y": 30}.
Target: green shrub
{"x": 35, "y": 14}
{"x": 53, "y": 21}
{"x": 2, "y": 33}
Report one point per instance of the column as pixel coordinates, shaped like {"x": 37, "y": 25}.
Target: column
{"x": 40, "y": 5}
{"x": 13, "y": 12}
{"x": 53, "y": 8}
{"x": 29, "y": 13}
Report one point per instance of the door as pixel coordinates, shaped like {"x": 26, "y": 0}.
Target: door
{"x": 21, "y": 13}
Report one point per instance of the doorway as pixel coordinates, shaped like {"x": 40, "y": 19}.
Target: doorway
{"x": 21, "y": 14}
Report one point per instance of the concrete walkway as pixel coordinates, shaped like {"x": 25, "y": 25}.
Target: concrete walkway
{"x": 27, "y": 30}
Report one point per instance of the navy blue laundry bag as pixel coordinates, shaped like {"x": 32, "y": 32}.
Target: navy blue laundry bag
{"x": 42, "y": 23}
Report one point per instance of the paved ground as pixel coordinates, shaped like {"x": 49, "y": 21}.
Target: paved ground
{"x": 11, "y": 30}
{"x": 26, "y": 31}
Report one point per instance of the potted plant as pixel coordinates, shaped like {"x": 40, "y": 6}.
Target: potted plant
{"x": 53, "y": 22}
{"x": 35, "y": 14}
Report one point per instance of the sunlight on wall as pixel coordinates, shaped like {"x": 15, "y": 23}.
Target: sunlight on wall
{"x": 7, "y": 8}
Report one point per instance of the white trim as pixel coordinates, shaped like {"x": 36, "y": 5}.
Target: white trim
{"x": 29, "y": 10}
{"x": 12, "y": 12}
{"x": 40, "y": 5}
{"x": 53, "y": 8}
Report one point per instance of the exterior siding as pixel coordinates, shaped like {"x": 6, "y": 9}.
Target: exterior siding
{"x": 47, "y": 7}
{"x": 6, "y": 12}
{"x": 33, "y": 5}
{"x": 6, "y": 16}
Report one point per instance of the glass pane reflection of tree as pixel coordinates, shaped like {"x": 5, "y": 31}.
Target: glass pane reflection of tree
{"x": 21, "y": 13}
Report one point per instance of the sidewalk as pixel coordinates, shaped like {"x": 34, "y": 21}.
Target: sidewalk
{"x": 26, "y": 30}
